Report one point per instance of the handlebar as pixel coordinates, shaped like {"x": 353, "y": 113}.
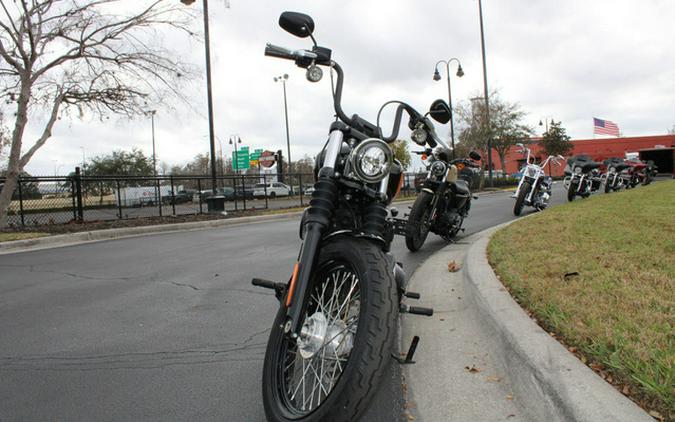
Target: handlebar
{"x": 288, "y": 54}
{"x": 304, "y": 58}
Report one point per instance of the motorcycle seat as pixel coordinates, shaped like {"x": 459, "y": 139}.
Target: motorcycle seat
{"x": 586, "y": 167}
{"x": 621, "y": 166}
{"x": 462, "y": 187}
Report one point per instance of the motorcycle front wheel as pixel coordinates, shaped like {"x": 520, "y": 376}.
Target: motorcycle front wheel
{"x": 417, "y": 228}
{"x": 332, "y": 373}
{"x": 572, "y": 190}
{"x": 520, "y": 199}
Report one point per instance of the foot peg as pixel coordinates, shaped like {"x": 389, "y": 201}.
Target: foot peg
{"x": 412, "y": 295}
{"x": 417, "y": 310}
{"x": 279, "y": 288}
{"x": 411, "y": 352}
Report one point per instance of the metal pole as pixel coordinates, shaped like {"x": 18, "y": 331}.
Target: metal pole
{"x": 485, "y": 93}
{"x": 452, "y": 124}
{"x": 288, "y": 139}
{"x": 212, "y": 137}
{"x": 154, "y": 155}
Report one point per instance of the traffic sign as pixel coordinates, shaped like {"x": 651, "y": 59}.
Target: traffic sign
{"x": 240, "y": 160}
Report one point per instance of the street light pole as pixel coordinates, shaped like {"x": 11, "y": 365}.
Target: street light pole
{"x": 237, "y": 139}
{"x": 83, "y": 158}
{"x": 283, "y": 80}
{"x": 437, "y": 77}
{"x": 207, "y": 49}
{"x": 485, "y": 93}
{"x": 154, "y": 154}
{"x": 545, "y": 121}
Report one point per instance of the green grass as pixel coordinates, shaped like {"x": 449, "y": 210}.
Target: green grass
{"x": 4, "y": 237}
{"x": 619, "y": 311}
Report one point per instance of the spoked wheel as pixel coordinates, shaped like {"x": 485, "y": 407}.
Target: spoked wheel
{"x": 328, "y": 374}
{"x": 417, "y": 228}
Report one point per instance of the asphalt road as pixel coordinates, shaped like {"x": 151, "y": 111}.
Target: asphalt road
{"x": 163, "y": 327}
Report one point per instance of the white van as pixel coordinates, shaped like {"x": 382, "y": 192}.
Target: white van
{"x": 273, "y": 190}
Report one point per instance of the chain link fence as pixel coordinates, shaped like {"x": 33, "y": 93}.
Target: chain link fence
{"x": 51, "y": 200}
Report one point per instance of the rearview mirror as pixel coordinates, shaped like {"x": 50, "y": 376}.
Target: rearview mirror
{"x": 298, "y": 24}
{"x": 474, "y": 156}
{"x": 440, "y": 111}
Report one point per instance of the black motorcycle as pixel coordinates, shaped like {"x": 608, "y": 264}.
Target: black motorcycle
{"x": 333, "y": 335}
{"x": 583, "y": 177}
{"x": 617, "y": 175}
{"x": 445, "y": 199}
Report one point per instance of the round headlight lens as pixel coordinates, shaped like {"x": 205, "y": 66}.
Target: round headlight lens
{"x": 419, "y": 136}
{"x": 371, "y": 160}
{"x": 577, "y": 170}
{"x": 438, "y": 168}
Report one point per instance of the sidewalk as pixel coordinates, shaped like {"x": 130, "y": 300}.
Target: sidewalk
{"x": 481, "y": 358}
{"x": 456, "y": 377}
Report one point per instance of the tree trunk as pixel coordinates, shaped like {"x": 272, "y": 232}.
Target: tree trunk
{"x": 14, "y": 167}
{"x": 502, "y": 161}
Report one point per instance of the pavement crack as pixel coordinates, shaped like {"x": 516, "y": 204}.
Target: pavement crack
{"x": 186, "y": 285}
{"x": 245, "y": 350}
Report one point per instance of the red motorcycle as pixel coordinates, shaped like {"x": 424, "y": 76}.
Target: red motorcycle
{"x": 641, "y": 172}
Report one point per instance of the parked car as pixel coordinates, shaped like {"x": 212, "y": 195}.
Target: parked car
{"x": 245, "y": 192}
{"x": 273, "y": 190}
{"x": 307, "y": 190}
{"x": 180, "y": 197}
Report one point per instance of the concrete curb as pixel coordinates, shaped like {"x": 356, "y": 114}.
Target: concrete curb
{"x": 72, "y": 239}
{"x": 551, "y": 383}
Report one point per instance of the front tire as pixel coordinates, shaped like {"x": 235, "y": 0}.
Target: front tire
{"x": 520, "y": 200}
{"x": 608, "y": 186}
{"x": 417, "y": 228}
{"x": 353, "y": 286}
{"x": 572, "y": 190}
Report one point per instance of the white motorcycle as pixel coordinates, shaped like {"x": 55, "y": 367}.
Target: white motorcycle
{"x": 534, "y": 188}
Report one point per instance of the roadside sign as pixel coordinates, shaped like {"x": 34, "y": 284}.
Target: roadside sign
{"x": 267, "y": 158}
{"x": 240, "y": 160}
{"x": 254, "y": 156}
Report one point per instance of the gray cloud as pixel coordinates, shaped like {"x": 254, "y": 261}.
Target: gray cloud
{"x": 572, "y": 60}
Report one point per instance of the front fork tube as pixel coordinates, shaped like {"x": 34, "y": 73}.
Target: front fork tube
{"x": 318, "y": 219}
{"x": 297, "y": 290}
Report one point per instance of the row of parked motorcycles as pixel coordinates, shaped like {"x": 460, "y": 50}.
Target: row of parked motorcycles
{"x": 583, "y": 176}
{"x": 335, "y": 330}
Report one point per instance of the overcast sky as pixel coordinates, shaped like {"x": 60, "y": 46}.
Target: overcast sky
{"x": 571, "y": 60}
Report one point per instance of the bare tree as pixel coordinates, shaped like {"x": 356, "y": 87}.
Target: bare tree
{"x": 4, "y": 140}
{"x": 82, "y": 56}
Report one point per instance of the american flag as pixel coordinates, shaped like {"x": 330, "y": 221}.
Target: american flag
{"x": 605, "y": 127}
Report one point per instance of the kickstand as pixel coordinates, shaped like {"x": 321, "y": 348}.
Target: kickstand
{"x": 411, "y": 352}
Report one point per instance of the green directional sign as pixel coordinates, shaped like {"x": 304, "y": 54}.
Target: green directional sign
{"x": 241, "y": 160}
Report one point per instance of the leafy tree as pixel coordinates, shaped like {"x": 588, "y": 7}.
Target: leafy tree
{"x": 121, "y": 163}
{"x": 506, "y": 126}
{"x": 401, "y": 153}
{"x": 82, "y": 56}
{"x": 555, "y": 141}
{"x": 117, "y": 163}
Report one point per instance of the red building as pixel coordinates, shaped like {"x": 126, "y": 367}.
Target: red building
{"x": 660, "y": 149}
